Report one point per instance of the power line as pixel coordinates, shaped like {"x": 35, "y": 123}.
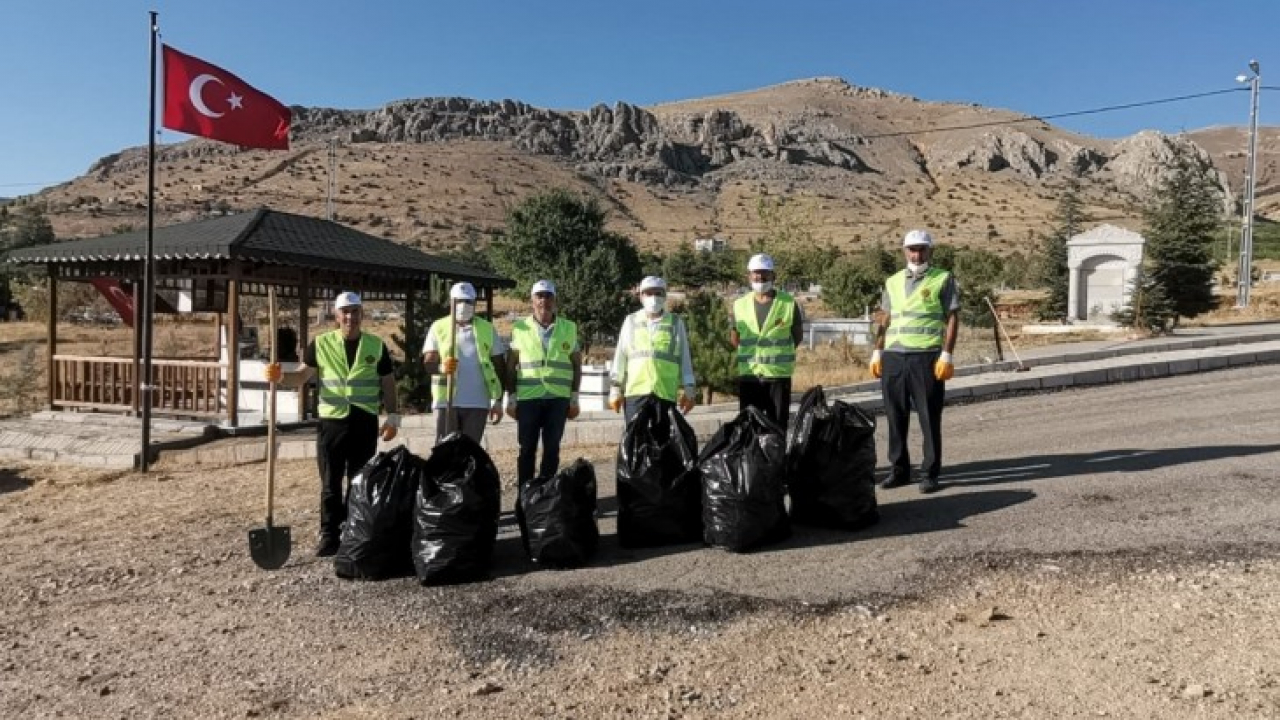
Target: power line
{"x": 1042, "y": 118}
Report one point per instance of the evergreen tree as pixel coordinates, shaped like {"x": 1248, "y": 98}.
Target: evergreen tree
{"x": 561, "y": 237}
{"x": 411, "y": 377}
{"x": 1068, "y": 221}
{"x": 1149, "y": 308}
{"x": 1180, "y": 227}
{"x": 714, "y": 360}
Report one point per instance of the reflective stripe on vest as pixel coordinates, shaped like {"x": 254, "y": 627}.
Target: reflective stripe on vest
{"x": 342, "y": 387}
{"x": 482, "y": 330}
{"x": 916, "y": 321}
{"x": 770, "y": 352}
{"x": 653, "y": 359}
{"x": 542, "y": 374}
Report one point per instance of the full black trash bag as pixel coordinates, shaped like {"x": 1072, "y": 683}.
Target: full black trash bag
{"x": 557, "y": 517}
{"x": 456, "y": 515}
{"x": 831, "y": 463}
{"x": 659, "y": 492}
{"x": 744, "y": 483}
{"x": 376, "y": 537}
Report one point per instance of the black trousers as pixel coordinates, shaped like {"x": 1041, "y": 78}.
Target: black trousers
{"x": 907, "y": 382}
{"x": 772, "y": 396}
{"x": 342, "y": 449}
{"x": 543, "y": 419}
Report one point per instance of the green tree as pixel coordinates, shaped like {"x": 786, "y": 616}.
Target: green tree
{"x": 850, "y": 287}
{"x": 1181, "y": 223}
{"x": 788, "y": 236}
{"x": 560, "y": 236}
{"x": 714, "y": 361}
{"x": 1149, "y": 308}
{"x": 1068, "y": 221}
{"x": 27, "y": 227}
{"x": 689, "y": 268}
{"x": 978, "y": 274}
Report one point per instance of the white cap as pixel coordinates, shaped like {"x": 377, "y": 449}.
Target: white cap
{"x": 346, "y": 299}
{"x": 462, "y": 291}
{"x": 545, "y": 286}
{"x": 653, "y": 282}
{"x": 760, "y": 262}
{"x": 916, "y": 238}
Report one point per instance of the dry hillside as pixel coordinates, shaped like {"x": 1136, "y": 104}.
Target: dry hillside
{"x": 855, "y": 164}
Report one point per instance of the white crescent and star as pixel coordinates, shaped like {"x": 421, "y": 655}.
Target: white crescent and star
{"x": 196, "y": 93}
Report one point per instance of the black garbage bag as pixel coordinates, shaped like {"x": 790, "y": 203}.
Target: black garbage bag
{"x": 456, "y": 514}
{"x": 744, "y": 484}
{"x": 831, "y": 463}
{"x": 659, "y": 492}
{"x": 376, "y": 538}
{"x": 557, "y": 517}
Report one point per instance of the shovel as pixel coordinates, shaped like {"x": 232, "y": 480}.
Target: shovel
{"x": 269, "y": 546}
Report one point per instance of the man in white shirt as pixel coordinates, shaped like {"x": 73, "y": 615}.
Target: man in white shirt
{"x": 475, "y": 362}
{"x": 652, "y": 358}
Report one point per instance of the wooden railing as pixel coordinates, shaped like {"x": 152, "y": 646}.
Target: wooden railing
{"x": 182, "y": 387}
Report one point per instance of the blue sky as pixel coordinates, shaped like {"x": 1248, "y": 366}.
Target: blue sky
{"x": 75, "y": 87}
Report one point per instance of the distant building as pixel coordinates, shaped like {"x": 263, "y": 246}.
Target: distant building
{"x": 710, "y": 245}
{"x": 1101, "y": 265}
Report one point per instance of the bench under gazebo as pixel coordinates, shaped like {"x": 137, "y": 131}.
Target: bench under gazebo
{"x": 211, "y": 266}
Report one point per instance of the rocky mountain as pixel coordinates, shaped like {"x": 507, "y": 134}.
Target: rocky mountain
{"x": 853, "y": 164}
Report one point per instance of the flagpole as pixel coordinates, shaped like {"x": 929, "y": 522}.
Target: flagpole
{"x": 148, "y": 262}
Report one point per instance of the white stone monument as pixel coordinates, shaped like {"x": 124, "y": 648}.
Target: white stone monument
{"x": 1101, "y": 265}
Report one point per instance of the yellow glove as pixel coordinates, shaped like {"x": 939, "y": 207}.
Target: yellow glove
{"x": 615, "y": 400}
{"x": 685, "y": 401}
{"x": 877, "y": 368}
{"x": 273, "y": 373}
{"x": 574, "y": 408}
{"x": 943, "y": 370}
{"x": 450, "y": 365}
{"x": 389, "y": 428}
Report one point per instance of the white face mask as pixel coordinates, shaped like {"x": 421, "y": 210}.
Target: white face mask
{"x": 653, "y": 303}
{"x": 761, "y": 287}
{"x": 917, "y": 268}
{"x": 463, "y": 312}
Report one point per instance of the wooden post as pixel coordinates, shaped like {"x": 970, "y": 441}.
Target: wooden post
{"x": 50, "y": 367}
{"x": 137, "y": 346}
{"x": 304, "y": 335}
{"x": 233, "y": 352}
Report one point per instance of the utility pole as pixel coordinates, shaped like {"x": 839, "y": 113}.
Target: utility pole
{"x": 333, "y": 178}
{"x": 1244, "y": 279}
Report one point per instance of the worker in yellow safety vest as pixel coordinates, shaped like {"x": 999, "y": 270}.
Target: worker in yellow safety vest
{"x": 652, "y": 357}
{"x": 920, "y": 309}
{"x": 356, "y": 376}
{"x": 464, "y": 347}
{"x": 766, "y": 327}
{"x": 545, "y": 364}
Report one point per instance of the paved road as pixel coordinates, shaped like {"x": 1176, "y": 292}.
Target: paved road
{"x": 1190, "y": 462}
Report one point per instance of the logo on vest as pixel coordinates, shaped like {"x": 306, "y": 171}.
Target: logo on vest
{"x": 564, "y": 346}
{"x": 924, "y": 293}
{"x": 368, "y": 359}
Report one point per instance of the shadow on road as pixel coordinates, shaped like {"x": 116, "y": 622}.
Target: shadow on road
{"x": 1042, "y": 467}
{"x": 11, "y": 481}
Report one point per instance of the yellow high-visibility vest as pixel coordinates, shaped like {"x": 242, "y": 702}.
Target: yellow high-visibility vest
{"x": 343, "y": 387}
{"x": 653, "y": 358}
{"x": 483, "y": 331}
{"x": 769, "y": 351}
{"x": 916, "y": 321}
{"x": 549, "y": 373}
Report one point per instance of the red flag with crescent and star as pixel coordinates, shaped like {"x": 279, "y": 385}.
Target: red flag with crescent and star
{"x": 205, "y": 100}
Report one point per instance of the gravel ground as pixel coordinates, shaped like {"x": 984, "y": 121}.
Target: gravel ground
{"x": 1104, "y": 552}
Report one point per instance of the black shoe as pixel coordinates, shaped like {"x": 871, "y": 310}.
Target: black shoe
{"x": 929, "y": 485}
{"x": 327, "y": 546}
{"x": 894, "y": 480}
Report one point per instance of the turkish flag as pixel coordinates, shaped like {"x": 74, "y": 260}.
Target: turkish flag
{"x": 205, "y": 100}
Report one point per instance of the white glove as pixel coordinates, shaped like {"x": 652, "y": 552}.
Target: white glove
{"x": 945, "y": 357}
{"x": 511, "y": 405}
{"x": 393, "y": 419}
{"x": 615, "y": 398}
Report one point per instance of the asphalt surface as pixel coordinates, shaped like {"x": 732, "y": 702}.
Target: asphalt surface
{"x": 1188, "y": 465}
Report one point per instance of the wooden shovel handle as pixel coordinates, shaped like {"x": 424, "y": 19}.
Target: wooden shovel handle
{"x": 271, "y": 409}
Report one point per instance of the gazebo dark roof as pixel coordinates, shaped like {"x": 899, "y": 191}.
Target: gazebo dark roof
{"x": 265, "y": 236}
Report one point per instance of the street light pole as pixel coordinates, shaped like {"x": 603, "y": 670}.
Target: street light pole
{"x": 1244, "y": 279}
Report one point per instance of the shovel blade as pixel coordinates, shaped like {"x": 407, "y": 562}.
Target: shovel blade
{"x": 269, "y": 547}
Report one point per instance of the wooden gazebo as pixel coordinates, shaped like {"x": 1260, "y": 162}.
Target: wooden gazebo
{"x": 216, "y": 262}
